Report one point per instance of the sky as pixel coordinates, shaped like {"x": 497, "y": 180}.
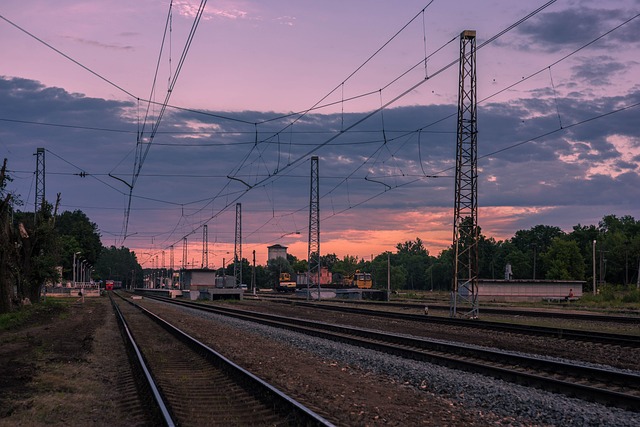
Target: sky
{"x": 368, "y": 86}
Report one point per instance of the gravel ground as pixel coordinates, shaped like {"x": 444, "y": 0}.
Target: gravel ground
{"x": 517, "y": 405}
{"x": 68, "y": 369}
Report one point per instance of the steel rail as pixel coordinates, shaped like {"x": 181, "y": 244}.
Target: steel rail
{"x": 560, "y": 333}
{"x": 545, "y": 313}
{"x": 160, "y": 409}
{"x": 489, "y": 362}
{"x": 302, "y": 414}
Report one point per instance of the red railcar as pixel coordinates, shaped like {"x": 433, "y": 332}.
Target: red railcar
{"x": 108, "y": 285}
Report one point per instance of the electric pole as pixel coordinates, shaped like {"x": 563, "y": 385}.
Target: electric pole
{"x": 465, "y": 221}
{"x": 205, "y": 247}
{"x": 313, "y": 254}
{"x": 237, "y": 251}
{"x": 39, "y": 201}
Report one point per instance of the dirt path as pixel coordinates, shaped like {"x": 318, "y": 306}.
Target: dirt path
{"x": 63, "y": 369}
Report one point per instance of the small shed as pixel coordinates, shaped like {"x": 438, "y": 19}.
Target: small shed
{"x": 198, "y": 278}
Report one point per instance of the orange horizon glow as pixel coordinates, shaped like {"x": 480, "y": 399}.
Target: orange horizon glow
{"x": 433, "y": 228}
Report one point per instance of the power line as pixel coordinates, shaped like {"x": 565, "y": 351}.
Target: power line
{"x": 67, "y": 57}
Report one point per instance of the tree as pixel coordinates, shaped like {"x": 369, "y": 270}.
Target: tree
{"x": 520, "y": 262}
{"x": 119, "y": 264}
{"x": 414, "y": 258}
{"x": 488, "y": 258}
{"x": 347, "y": 266}
{"x": 38, "y": 245}
{"x": 86, "y": 239}
{"x": 563, "y": 260}
{"x": 300, "y": 265}
{"x": 616, "y": 247}
{"x": 329, "y": 261}
{"x": 533, "y": 243}
{"x": 8, "y": 255}
{"x": 442, "y": 271}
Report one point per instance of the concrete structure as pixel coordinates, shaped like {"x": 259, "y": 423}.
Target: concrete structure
{"x": 198, "y": 278}
{"x": 202, "y": 283}
{"x": 275, "y": 251}
{"x": 528, "y": 290}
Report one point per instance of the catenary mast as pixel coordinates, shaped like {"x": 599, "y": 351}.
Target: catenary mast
{"x": 464, "y": 294}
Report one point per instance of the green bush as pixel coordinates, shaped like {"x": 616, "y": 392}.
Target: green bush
{"x": 632, "y": 297}
{"x": 607, "y": 294}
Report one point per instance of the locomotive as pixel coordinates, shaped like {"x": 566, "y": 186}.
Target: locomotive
{"x": 285, "y": 283}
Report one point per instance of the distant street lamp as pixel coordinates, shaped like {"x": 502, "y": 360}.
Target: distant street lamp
{"x": 83, "y": 271}
{"x": 74, "y": 268}
{"x": 289, "y": 234}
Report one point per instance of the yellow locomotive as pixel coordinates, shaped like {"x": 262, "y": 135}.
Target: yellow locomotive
{"x": 285, "y": 283}
{"x": 359, "y": 280}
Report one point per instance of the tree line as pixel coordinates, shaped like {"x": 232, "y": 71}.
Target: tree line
{"x": 33, "y": 247}
{"x": 543, "y": 252}
{"x": 37, "y": 248}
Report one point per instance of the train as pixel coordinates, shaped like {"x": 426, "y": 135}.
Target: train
{"x": 110, "y": 285}
{"x": 357, "y": 280}
{"x": 285, "y": 283}
{"x": 360, "y": 280}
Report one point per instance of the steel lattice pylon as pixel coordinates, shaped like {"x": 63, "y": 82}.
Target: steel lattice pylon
{"x": 314, "y": 227}
{"x": 205, "y": 247}
{"x": 39, "y": 201}
{"x": 237, "y": 247}
{"x": 464, "y": 294}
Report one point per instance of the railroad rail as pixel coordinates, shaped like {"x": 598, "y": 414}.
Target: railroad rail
{"x": 610, "y": 387}
{"x": 545, "y": 313}
{"x": 622, "y": 340}
{"x": 192, "y": 384}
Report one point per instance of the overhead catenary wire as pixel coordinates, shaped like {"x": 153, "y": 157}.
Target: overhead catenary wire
{"x": 240, "y": 175}
{"x": 142, "y": 155}
{"x": 556, "y": 130}
{"x": 294, "y": 162}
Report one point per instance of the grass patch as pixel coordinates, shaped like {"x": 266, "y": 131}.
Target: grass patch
{"x": 32, "y": 313}
{"x": 611, "y": 296}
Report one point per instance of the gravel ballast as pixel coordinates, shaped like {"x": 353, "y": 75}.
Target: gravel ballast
{"x": 522, "y": 405}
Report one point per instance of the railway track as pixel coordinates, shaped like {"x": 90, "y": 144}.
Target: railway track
{"x": 622, "y": 340}
{"x": 187, "y": 383}
{"x": 609, "y": 387}
{"x": 543, "y": 313}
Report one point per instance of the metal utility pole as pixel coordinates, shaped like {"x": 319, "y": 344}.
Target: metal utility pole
{"x": 39, "y": 201}
{"x": 253, "y": 274}
{"x": 389, "y": 276}
{"x": 205, "y": 247}
{"x": 594, "y": 267}
{"x": 237, "y": 247}
{"x": 184, "y": 262}
{"x": 184, "y": 252}
{"x": 171, "y": 264}
{"x": 465, "y": 220}
{"x": 313, "y": 254}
